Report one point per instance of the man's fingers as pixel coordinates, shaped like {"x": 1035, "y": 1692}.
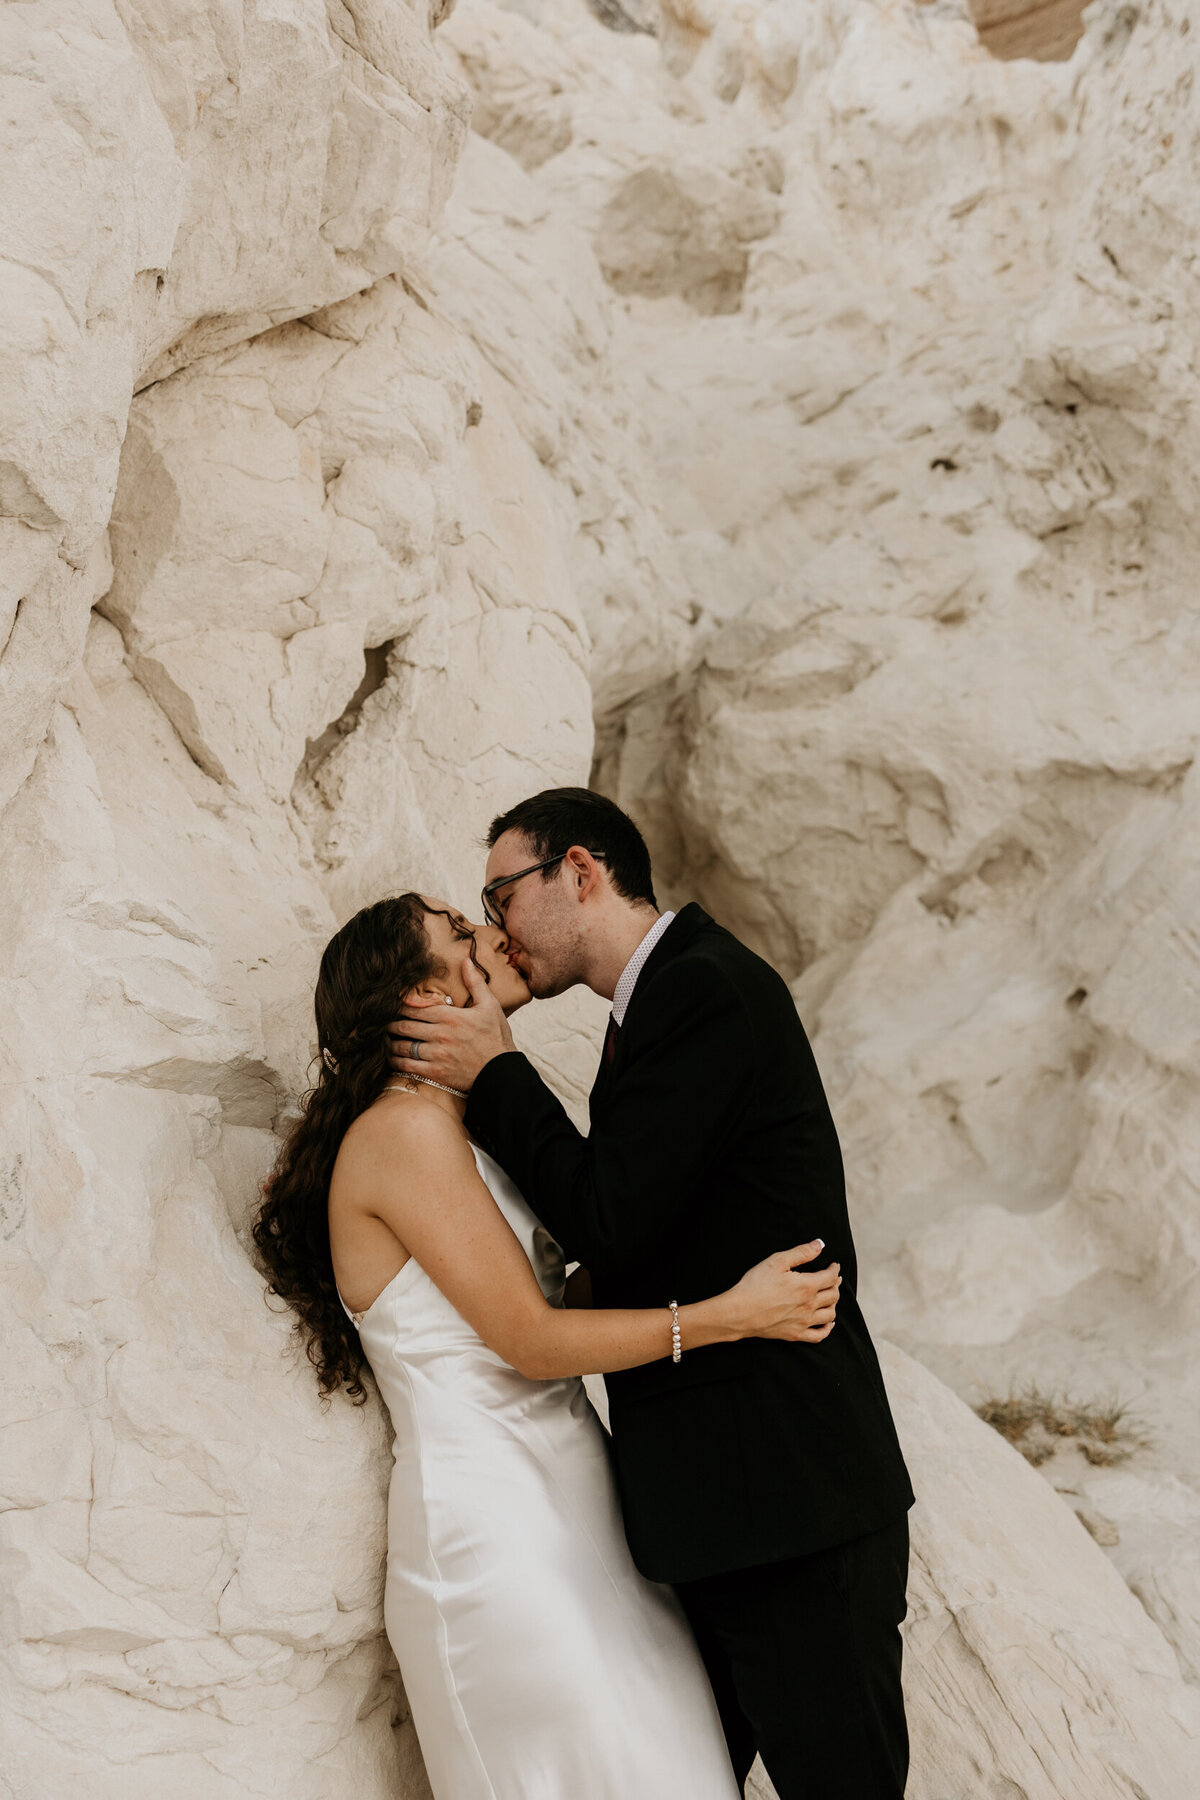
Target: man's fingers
{"x": 476, "y": 985}
{"x": 412, "y": 1028}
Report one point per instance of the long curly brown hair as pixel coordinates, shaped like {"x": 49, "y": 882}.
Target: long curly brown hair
{"x": 380, "y": 954}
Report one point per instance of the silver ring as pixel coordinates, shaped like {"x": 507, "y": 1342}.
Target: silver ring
{"x": 414, "y": 1049}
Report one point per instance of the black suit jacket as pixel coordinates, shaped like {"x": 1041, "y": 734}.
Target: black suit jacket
{"x": 711, "y": 1145}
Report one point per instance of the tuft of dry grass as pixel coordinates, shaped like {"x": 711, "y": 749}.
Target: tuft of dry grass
{"x": 1038, "y": 1424}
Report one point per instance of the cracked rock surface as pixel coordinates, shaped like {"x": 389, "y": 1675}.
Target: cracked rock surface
{"x": 803, "y": 398}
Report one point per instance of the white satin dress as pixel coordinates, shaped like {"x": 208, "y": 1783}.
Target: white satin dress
{"x": 538, "y": 1663}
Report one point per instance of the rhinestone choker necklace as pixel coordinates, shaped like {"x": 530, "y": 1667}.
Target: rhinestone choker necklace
{"x": 459, "y": 1093}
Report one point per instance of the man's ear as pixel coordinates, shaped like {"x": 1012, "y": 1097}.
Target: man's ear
{"x": 583, "y": 869}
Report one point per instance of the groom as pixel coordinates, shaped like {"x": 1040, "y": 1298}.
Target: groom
{"x": 763, "y": 1479}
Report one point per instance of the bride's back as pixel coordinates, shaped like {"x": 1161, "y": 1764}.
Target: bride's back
{"x": 410, "y": 1317}
{"x": 367, "y": 1254}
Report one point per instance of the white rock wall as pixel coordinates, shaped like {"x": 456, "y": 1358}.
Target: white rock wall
{"x": 177, "y": 175}
{"x": 806, "y": 395}
{"x": 1010, "y": 1602}
{"x": 336, "y": 631}
{"x": 192, "y": 1551}
{"x": 964, "y": 695}
{"x": 924, "y": 447}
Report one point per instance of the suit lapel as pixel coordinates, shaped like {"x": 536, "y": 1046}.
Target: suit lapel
{"x": 679, "y": 933}
{"x": 604, "y": 1076}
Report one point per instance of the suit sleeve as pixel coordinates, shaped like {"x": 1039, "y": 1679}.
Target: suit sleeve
{"x": 612, "y": 1197}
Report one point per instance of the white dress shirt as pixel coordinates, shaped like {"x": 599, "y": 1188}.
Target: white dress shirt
{"x": 633, "y": 968}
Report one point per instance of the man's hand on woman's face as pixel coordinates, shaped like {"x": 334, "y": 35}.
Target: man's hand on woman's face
{"x": 451, "y": 1044}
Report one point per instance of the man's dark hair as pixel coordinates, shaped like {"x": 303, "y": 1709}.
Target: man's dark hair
{"x": 554, "y": 820}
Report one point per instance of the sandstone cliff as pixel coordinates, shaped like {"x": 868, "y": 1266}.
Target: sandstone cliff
{"x": 802, "y": 395}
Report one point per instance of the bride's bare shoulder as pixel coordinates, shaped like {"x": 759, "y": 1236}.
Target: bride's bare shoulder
{"x": 409, "y": 1123}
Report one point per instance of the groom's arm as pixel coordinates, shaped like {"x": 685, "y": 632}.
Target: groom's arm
{"x": 614, "y": 1196}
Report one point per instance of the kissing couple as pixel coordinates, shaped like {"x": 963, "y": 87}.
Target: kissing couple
{"x": 574, "y": 1618}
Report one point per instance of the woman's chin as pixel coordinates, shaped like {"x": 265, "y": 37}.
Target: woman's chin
{"x": 519, "y": 997}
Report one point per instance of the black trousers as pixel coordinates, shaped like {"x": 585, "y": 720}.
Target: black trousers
{"x": 804, "y": 1659}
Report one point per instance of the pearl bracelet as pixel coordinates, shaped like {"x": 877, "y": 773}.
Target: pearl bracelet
{"x": 676, "y": 1335}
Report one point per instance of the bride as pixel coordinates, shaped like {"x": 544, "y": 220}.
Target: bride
{"x": 538, "y": 1663}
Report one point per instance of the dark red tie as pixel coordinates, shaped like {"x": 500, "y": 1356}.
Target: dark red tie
{"x": 610, "y": 1040}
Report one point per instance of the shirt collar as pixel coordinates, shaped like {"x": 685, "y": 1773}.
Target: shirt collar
{"x": 633, "y": 968}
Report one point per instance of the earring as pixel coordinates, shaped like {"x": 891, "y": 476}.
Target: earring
{"x": 449, "y": 1001}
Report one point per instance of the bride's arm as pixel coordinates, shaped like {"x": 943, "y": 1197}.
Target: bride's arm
{"x": 418, "y": 1175}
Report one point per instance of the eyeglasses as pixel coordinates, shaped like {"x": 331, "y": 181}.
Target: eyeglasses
{"x": 493, "y": 909}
